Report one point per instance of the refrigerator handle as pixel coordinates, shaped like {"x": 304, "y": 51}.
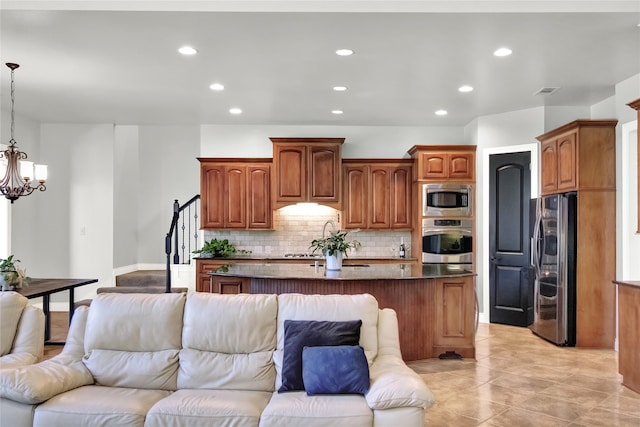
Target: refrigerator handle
{"x": 535, "y": 249}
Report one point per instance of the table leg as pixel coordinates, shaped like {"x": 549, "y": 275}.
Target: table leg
{"x": 71, "y": 304}
{"x": 47, "y": 317}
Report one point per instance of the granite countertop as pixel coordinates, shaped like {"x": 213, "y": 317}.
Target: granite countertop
{"x": 363, "y": 271}
{"x": 309, "y": 257}
{"x": 631, "y": 283}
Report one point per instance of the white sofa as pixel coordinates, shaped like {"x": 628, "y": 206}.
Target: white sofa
{"x": 201, "y": 359}
{"x": 21, "y": 331}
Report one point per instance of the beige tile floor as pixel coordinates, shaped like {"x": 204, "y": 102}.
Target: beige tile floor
{"x": 520, "y": 380}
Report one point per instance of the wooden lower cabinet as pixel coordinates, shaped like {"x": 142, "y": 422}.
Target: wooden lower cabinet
{"x": 455, "y": 316}
{"x": 629, "y": 339}
{"x": 218, "y": 284}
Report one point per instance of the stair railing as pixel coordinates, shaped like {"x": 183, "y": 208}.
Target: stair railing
{"x": 184, "y": 233}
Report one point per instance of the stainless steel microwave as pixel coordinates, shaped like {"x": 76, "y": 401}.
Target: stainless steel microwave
{"x": 447, "y": 200}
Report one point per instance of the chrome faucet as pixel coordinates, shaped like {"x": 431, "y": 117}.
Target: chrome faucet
{"x": 324, "y": 228}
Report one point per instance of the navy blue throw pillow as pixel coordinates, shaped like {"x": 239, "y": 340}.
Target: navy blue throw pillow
{"x": 335, "y": 370}
{"x": 309, "y": 333}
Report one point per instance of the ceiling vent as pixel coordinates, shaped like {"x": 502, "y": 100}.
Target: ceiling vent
{"x": 546, "y": 91}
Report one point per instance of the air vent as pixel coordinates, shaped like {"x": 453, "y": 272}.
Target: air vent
{"x": 546, "y": 91}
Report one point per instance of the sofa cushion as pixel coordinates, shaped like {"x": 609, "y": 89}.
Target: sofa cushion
{"x": 141, "y": 369}
{"x": 296, "y": 409}
{"x": 228, "y": 342}
{"x": 124, "y": 330}
{"x": 204, "y": 408}
{"x": 329, "y": 307}
{"x": 98, "y": 406}
{"x": 301, "y": 333}
{"x": 335, "y": 370}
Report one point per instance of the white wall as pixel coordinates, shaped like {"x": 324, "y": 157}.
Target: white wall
{"x": 126, "y": 190}
{"x": 67, "y": 230}
{"x": 360, "y": 141}
{"x": 168, "y": 170}
{"x": 628, "y": 267}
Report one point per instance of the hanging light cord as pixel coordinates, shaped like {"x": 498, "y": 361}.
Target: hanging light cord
{"x": 13, "y": 114}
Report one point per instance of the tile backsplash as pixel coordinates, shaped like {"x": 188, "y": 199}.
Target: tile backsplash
{"x": 296, "y": 225}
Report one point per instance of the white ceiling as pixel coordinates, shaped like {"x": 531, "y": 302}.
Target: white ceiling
{"x": 277, "y": 61}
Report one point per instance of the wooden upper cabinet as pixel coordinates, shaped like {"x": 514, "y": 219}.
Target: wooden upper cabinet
{"x": 235, "y": 194}
{"x": 567, "y": 167}
{"x": 578, "y": 156}
{"x": 549, "y": 158}
{"x": 445, "y": 162}
{"x": 636, "y": 106}
{"x": 259, "y": 196}
{"x": 356, "y": 199}
{"x": 212, "y": 178}
{"x": 400, "y": 197}
{"x": 307, "y": 170}
{"x": 377, "y": 194}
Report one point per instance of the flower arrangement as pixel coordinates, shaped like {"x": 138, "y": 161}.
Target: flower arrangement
{"x": 11, "y": 276}
{"x": 333, "y": 244}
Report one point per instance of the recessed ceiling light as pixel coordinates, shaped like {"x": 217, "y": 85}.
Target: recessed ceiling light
{"x": 465, "y": 88}
{"x": 339, "y": 88}
{"x": 216, "y": 86}
{"x": 336, "y": 111}
{"x": 187, "y": 50}
{"x": 235, "y": 111}
{"x": 441, "y": 113}
{"x": 344, "y": 52}
{"x": 503, "y": 51}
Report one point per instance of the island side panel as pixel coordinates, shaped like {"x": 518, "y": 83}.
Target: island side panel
{"x": 413, "y": 300}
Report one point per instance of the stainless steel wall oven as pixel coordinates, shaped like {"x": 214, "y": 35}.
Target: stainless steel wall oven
{"x": 447, "y": 240}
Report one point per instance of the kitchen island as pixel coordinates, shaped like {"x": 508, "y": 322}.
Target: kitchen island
{"x": 436, "y": 305}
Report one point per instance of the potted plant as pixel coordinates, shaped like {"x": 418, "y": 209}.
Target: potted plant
{"x": 215, "y": 248}
{"x": 11, "y": 276}
{"x": 334, "y": 247}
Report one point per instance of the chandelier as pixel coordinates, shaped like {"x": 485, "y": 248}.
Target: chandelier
{"x": 18, "y": 173}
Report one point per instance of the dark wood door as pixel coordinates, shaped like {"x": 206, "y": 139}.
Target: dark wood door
{"x": 510, "y": 280}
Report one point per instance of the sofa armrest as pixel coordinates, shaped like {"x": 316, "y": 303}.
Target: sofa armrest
{"x": 394, "y": 385}
{"x": 37, "y": 383}
{"x": 29, "y": 337}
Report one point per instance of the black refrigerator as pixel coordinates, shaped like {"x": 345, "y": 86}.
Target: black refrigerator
{"x": 554, "y": 264}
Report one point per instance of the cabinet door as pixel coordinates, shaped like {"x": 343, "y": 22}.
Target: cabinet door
{"x": 259, "y": 197}
{"x": 400, "y": 197}
{"x": 549, "y": 167}
{"x": 230, "y": 285}
{"x": 236, "y": 193}
{"x": 290, "y": 162}
{"x": 379, "y": 206}
{"x": 324, "y": 173}
{"x": 355, "y": 193}
{"x": 212, "y": 206}
{"x": 566, "y": 150}
{"x": 434, "y": 166}
{"x": 461, "y": 166}
{"x": 455, "y": 319}
{"x": 203, "y": 266}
